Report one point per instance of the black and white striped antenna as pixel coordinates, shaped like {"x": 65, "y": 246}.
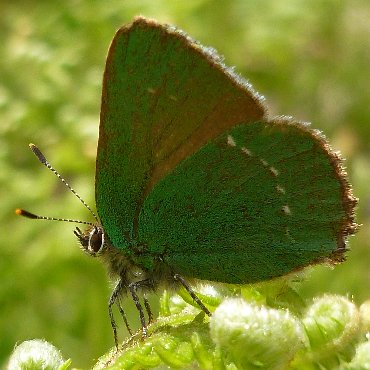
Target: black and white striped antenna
{"x": 46, "y": 163}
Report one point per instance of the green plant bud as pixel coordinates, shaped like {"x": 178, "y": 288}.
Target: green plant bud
{"x": 36, "y": 354}
{"x": 255, "y": 337}
{"x": 332, "y": 324}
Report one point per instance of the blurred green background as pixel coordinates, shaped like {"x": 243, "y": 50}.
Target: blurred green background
{"x": 310, "y": 58}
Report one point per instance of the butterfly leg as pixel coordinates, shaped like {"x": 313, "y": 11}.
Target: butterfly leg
{"x": 148, "y": 310}
{"x": 113, "y": 298}
{"x": 122, "y": 312}
{"x": 133, "y": 287}
{"x": 192, "y": 293}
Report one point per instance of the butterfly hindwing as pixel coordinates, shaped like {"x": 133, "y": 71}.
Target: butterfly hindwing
{"x": 258, "y": 201}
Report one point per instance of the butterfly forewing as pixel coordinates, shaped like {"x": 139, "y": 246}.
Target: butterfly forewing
{"x": 164, "y": 97}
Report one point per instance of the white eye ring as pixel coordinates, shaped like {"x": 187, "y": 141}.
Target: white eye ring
{"x": 96, "y": 241}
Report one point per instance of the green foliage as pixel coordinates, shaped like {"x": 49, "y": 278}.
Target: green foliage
{"x": 310, "y": 58}
{"x": 329, "y": 333}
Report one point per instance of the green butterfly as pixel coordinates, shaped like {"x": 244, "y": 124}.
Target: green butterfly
{"x": 194, "y": 180}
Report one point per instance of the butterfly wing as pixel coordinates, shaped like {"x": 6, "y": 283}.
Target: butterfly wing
{"x": 164, "y": 97}
{"x": 258, "y": 201}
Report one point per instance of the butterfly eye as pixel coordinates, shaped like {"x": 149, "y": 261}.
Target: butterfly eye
{"x": 91, "y": 240}
{"x": 95, "y": 241}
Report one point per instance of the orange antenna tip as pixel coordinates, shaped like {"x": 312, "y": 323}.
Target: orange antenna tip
{"x": 22, "y": 212}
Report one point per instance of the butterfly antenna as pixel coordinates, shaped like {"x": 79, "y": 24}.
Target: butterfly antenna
{"x": 45, "y": 162}
{"x": 22, "y": 212}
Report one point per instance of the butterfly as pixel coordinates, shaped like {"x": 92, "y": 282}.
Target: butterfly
{"x": 194, "y": 180}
